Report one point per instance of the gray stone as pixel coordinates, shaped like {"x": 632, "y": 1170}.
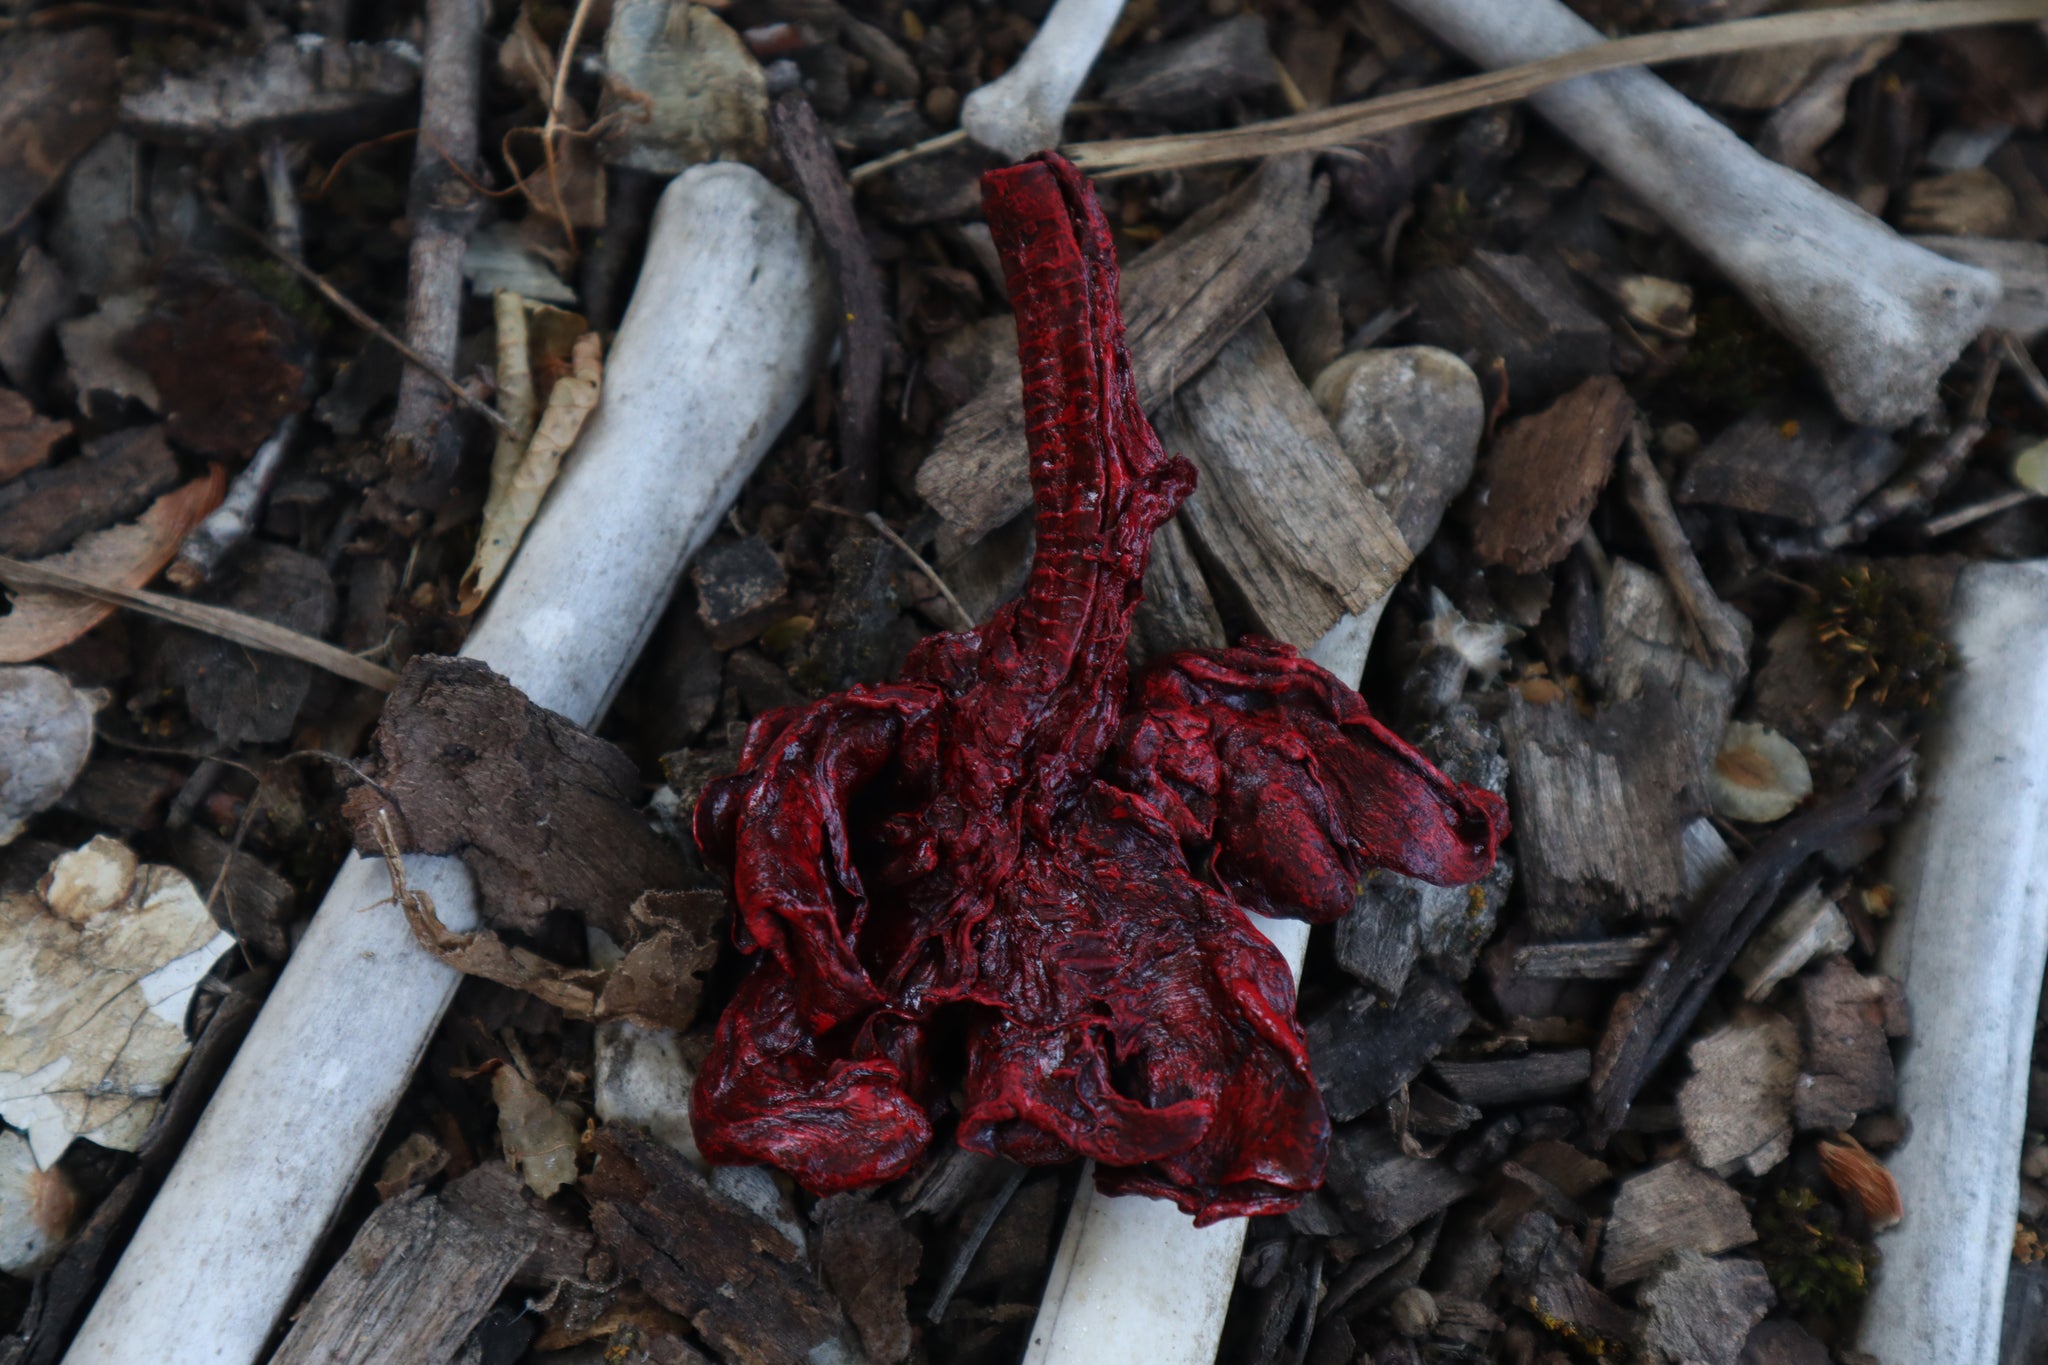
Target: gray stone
{"x": 1411, "y": 417}
{"x": 681, "y": 89}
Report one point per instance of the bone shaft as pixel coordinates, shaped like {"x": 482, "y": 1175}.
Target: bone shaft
{"x": 1021, "y": 111}
{"x": 1879, "y": 317}
{"x": 726, "y": 328}
{"x": 1968, "y": 944}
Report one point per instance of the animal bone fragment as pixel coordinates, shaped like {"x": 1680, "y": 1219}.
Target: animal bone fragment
{"x": 1879, "y": 317}
{"x": 1020, "y": 112}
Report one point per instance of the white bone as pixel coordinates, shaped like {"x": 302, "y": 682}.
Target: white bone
{"x": 727, "y": 326}
{"x": 1021, "y": 111}
{"x": 1880, "y": 318}
{"x": 1969, "y": 942}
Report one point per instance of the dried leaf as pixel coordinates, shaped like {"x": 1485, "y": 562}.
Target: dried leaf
{"x": 227, "y": 363}
{"x": 37, "y": 1208}
{"x": 100, "y": 964}
{"x": 539, "y": 1139}
{"x": 1856, "y": 1172}
{"x": 57, "y": 95}
{"x": 130, "y": 555}
{"x": 47, "y": 727}
{"x": 514, "y": 504}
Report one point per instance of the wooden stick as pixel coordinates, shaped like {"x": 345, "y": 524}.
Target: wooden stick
{"x": 726, "y": 329}
{"x": 1968, "y": 943}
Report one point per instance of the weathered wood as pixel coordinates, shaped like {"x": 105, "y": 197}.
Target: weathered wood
{"x": 1540, "y": 1263}
{"x": 1648, "y": 1022}
{"x": 1675, "y": 1206}
{"x": 1182, "y": 301}
{"x": 1807, "y": 466}
{"x": 1363, "y": 1048}
{"x": 1737, "y": 1105}
{"x": 1280, "y": 510}
{"x": 745, "y": 1286}
{"x": 1384, "y": 1191}
{"x": 417, "y": 1278}
{"x": 1601, "y": 802}
{"x": 1178, "y": 611}
{"x": 1516, "y": 310}
{"x": 1186, "y": 75}
{"x": 1701, "y": 1309}
{"x": 1605, "y": 959}
{"x": 1511, "y": 1080}
{"x": 1722, "y": 633}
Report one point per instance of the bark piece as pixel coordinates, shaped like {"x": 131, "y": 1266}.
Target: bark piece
{"x": 1607, "y": 959}
{"x": 1364, "y": 1049}
{"x": 1676, "y": 1206}
{"x": 26, "y": 438}
{"x": 1737, "y": 1105}
{"x": 1600, "y": 805}
{"x": 740, "y": 589}
{"x": 1701, "y": 1310}
{"x": 1511, "y": 1080}
{"x": 1187, "y": 75}
{"x": 542, "y": 812}
{"x": 46, "y": 726}
{"x": 1540, "y": 1263}
{"x": 1809, "y": 466}
{"x": 246, "y": 897}
{"x": 1383, "y": 1190}
{"x": 57, "y": 93}
{"x": 680, "y": 88}
{"x": 743, "y": 1284}
{"x": 227, "y": 363}
{"x": 1846, "y": 1023}
{"x": 1544, "y": 474}
{"x": 245, "y": 695}
{"x": 127, "y": 794}
{"x": 1518, "y": 310}
{"x": 491, "y": 1196}
{"x": 114, "y": 477}
{"x": 1278, "y": 509}
{"x": 1182, "y": 300}
{"x": 868, "y": 1259}
{"x": 295, "y": 85}
{"x": 418, "y": 1278}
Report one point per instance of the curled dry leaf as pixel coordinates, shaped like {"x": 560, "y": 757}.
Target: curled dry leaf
{"x": 129, "y": 554}
{"x": 101, "y": 961}
{"x": 45, "y": 735}
{"x": 1856, "y": 1172}
{"x": 539, "y": 1139}
{"x": 520, "y": 478}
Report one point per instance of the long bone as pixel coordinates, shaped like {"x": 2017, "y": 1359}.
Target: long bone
{"x": 1880, "y": 318}
{"x": 1968, "y": 944}
{"x": 1020, "y": 112}
{"x": 727, "y": 327}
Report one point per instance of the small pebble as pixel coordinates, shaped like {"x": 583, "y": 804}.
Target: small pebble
{"x": 942, "y": 104}
{"x": 2034, "y": 1165}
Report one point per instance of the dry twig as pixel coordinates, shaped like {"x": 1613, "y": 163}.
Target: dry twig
{"x": 1717, "y": 625}
{"x": 243, "y": 629}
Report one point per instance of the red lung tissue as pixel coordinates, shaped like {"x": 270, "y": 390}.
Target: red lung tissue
{"x": 1020, "y": 851}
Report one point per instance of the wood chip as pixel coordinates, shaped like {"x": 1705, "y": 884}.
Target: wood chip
{"x": 1846, "y": 1023}
{"x": 1511, "y": 1080}
{"x": 1737, "y": 1105}
{"x": 1364, "y": 1049}
{"x": 1545, "y": 472}
{"x": 1665, "y": 1209}
{"x": 114, "y": 477}
{"x": 1701, "y": 1310}
{"x": 26, "y": 438}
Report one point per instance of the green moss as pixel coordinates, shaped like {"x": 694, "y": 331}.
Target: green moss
{"x": 1813, "y": 1264}
{"x": 1735, "y": 360}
